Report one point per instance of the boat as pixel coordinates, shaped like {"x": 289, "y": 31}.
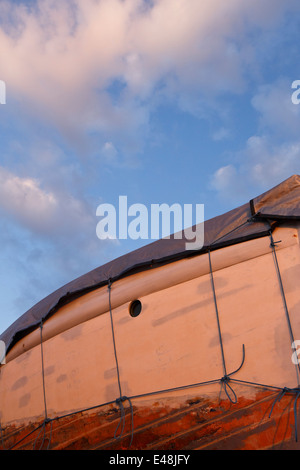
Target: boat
{"x": 167, "y": 349}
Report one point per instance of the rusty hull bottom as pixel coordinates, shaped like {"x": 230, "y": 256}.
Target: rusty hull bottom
{"x": 198, "y": 424}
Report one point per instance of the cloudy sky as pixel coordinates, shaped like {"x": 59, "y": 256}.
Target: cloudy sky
{"x": 164, "y": 101}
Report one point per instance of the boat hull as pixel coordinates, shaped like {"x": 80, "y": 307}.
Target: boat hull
{"x": 199, "y": 368}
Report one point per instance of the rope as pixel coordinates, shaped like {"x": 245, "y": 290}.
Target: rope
{"x": 43, "y": 428}
{"x": 230, "y": 393}
{"x": 46, "y": 419}
{"x": 226, "y": 377}
{"x": 225, "y": 380}
{"x": 119, "y": 402}
{"x": 43, "y": 371}
{"x": 113, "y": 336}
{"x": 25, "y": 437}
{"x": 281, "y": 394}
{"x": 2, "y": 437}
{"x": 273, "y": 246}
{"x": 121, "y": 399}
{"x": 285, "y": 390}
{"x": 217, "y": 312}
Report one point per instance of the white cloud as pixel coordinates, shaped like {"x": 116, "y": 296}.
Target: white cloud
{"x": 223, "y": 178}
{"x": 221, "y": 134}
{"x": 41, "y": 211}
{"x": 48, "y": 237}
{"x": 259, "y": 166}
{"x": 269, "y": 156}
{"x": 269, "y": 164}
{"x": 34, "y": 267}
{"x": 277, "y": 112}
{"x": 61, "y": 57}
{"x": 109, "y": 152}
{"x": 228, "y": 186}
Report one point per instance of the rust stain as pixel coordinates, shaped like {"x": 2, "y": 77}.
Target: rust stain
{"x": 199, "y": 424}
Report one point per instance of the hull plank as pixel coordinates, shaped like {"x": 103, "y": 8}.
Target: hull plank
{"x": 199, "y": 424}
{"x": 207, "y": 362}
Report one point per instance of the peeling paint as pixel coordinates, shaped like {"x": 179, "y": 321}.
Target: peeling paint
{"x": 198, "y": 424}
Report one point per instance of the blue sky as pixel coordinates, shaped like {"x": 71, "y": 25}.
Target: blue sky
{"x": 164, "y": 101}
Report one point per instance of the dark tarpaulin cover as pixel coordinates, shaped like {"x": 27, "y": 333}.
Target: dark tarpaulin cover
{"x": 251, "y": 220}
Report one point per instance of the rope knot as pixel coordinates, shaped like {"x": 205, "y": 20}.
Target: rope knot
{"x": 119, "y": 402}
{"x": 273, "y": 243}
{"x": 121, "y": 399}
{"x": 280, "y": 395}
{"x": 225, "y": 379}
{"x": 293, "y": 390}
